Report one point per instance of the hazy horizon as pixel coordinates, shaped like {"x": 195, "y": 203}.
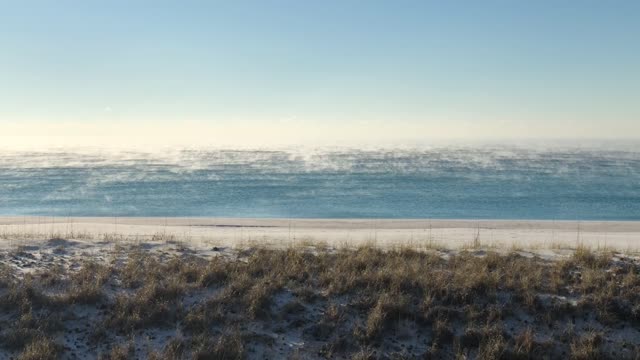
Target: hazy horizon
{"x": 146, "y": 135}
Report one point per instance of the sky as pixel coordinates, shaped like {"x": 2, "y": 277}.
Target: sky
{"x": 278, "y": 72}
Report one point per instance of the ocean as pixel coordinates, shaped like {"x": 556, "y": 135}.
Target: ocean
{"x": 459, "y": 182}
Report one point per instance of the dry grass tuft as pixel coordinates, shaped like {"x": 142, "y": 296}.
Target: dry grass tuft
{"x": 41, "y": 348}
{"x": 389, "y": 307}
{"x": 228, "y": 346}
{"x": 120, "y": 352}
{"x": 586, "y": 257}
{"x": 587, "y": 347}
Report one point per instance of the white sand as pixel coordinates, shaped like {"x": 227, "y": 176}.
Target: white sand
{"x": 451, "y": 234}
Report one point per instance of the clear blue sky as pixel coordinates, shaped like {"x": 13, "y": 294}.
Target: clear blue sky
{"x": 399, "y": 68}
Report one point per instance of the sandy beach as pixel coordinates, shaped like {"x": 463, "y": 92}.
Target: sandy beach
{"x": 448, "y": 234}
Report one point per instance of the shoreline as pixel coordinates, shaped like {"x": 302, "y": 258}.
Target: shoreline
{"x": 453, "y": 234}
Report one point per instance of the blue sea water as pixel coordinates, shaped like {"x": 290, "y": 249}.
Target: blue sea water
{"x": 482, "y": 182}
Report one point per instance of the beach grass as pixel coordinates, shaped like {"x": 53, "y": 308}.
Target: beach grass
{"x": 308, "y": 302}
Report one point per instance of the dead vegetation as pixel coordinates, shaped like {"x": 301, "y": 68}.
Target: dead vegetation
{"x": 360, "y": 303}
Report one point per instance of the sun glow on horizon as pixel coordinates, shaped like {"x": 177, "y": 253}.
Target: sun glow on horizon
{"x": 254, "y": 134}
